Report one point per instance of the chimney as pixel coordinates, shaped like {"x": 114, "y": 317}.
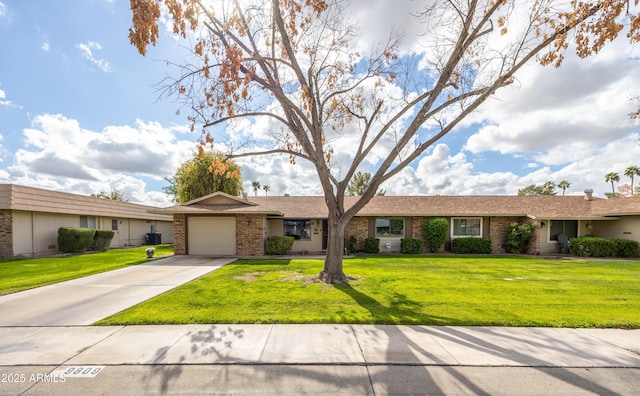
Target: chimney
{"x": 286, "y": 195}
{"x": 245, "y": 195}
{"x": 588, "y": 194}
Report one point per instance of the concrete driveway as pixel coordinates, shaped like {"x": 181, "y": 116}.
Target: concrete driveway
{"x": 83, "y": 301}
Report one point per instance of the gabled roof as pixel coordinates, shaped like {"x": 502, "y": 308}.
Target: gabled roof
{"x": 15, "y": 197}
{"x": 219, "y": 203}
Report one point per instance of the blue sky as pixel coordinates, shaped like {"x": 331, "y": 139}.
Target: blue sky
{"x": 79, "y": 112}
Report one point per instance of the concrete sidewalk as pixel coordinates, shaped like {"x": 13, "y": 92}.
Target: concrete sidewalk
{"x": 84, "y": 301}
{"x": 323, "y": 359}
{"x": 320, "y": 344}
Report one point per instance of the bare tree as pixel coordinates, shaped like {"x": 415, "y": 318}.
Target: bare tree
{"x": 297, "y": 64}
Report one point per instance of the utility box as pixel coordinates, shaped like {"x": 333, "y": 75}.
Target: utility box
{"x": 154, "y": 238}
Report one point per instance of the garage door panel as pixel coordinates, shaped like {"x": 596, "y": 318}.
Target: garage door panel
{"x": 212, "y": 236}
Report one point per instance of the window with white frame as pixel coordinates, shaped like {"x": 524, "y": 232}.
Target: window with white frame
{"x": 464, "y": 227}
{"x": 566, "y": 227}
{"x": 390, "y": 228}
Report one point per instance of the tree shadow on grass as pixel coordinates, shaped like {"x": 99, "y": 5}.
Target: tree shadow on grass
{"x": 400, "y": 309}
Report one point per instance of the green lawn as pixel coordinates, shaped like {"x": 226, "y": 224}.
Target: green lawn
{"x": 433, "y": 290}
{"x": 22, "y": 274}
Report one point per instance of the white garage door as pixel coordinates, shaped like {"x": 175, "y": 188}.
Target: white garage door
{"x": 215, "y": 236}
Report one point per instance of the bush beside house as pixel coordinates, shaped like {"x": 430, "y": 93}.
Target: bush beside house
{"x": 372, "y": 245}
{"x": 434, "y": 233}
{"x": 410, "y": 246}
{"x": 519, "y": 237}
{"x": 102, "y": 239}
{"x": 353, "y": 244}
{"x": 471, "y": 246}
{"x": 75, "y": 239}
{"x": 279, "y": 244}
{"x": 602, "y": 247}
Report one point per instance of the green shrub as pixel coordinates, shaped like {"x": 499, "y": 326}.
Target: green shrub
{"x": 519, "y": 237}
{"x": 410, "y": 246}
{"x": 75, "y": 239}
{"x": 434, "y": 233}
{"x": 279, "y": 244}
{"x": 626, "y": 248}
{"x": 471, "y": 246}
{"x": 372, "y": 245}
{"x": 602, "y": 247}
{"x": 102, "y": 239}
{"x": 353, "y": 244}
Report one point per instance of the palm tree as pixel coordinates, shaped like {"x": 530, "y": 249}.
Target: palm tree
{"x": 612, "y": 177}
{"x": 256, "y": 186}
{"x": 564, "y": 185}
{"x": 632, "y": 172}
{"x": 266, "y": 189}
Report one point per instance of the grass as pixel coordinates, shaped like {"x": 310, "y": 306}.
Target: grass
{"x": 427, "y": 290}
{"x": 22, "y": 274}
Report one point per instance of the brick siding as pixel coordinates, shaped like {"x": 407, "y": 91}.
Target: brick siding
{"x": 358, "y": 226}
{"x": 179, "y": 234}
{"x": 250, "y": 235}
{"x": 6, "y": 233}
{"x": 500, "y": 229}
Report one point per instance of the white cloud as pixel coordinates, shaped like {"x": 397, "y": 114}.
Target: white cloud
{"x": 7, "y": 103}
{"x": 60, "y": 154}
{"x": 4, "y": 13}
{"x": 560, "y": 114}
{"x": 86, "y": 50}
{"x": 45, "y": 47}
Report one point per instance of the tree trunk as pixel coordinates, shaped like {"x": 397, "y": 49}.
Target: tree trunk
{"x": 332, "y": 271}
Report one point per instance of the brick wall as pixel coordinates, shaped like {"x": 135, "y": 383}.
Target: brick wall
{"x": 6, "y": 233}
{"x": 358, "y": 226}
{"x": 250, "y": 235}
{"x": 179, "y": 234}
{"x": 499, "y": 230}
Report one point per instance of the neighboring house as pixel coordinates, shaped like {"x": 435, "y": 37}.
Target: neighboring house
{"x": 30, "y": 218}
{"x": 220, "y": 224}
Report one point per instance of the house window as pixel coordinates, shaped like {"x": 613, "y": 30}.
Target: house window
{"x": 566, "y": 227}
{"x": 88, "y": 221}
{"x": 299, "y": 229}
{"x": 114, "y": 224}
{"x": 466, "y": 227}
{"x": 390, "y": 228}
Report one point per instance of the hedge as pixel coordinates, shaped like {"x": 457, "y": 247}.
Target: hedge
{"x": 603, "y": 247}
{"x": 75, "y": 239}
{"x": 410, "y": 246}
{"x": 471, "y": 246}
{"x": 372, "y": 245}
{"x": 102, "y": 239}
{"x": 279, "y": 244}
{"x": 519, "y": 237}
{"x": 434, "y": 232}
{"x": 352, "y": 247}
